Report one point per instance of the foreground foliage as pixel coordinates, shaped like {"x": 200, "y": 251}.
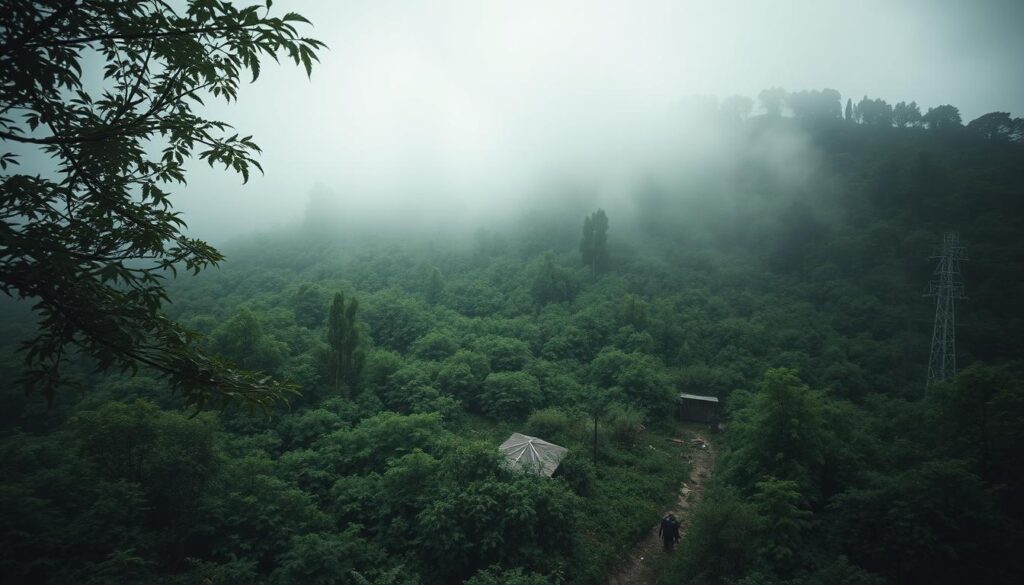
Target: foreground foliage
{"x": 90, "y": 235}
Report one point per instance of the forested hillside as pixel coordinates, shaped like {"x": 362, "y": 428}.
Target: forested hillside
{"x": 796, "y": 301}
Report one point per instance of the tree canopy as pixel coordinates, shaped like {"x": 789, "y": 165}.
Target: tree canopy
{"x": 942, "y": 117}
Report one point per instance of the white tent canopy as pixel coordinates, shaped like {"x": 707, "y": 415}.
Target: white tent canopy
{"x": 532, "y": 454}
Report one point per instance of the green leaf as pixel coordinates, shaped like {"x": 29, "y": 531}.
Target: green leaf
{"x": 292, "y": 17}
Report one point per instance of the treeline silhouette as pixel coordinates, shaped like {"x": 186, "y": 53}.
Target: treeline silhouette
{"x": 827, "y": 104}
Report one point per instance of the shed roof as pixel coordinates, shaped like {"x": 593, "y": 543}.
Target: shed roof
{"x": 532, "y": 454}
{"x": 697, "y": 397}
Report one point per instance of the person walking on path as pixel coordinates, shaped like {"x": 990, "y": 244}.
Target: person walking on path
{"x": 669, "y": 531}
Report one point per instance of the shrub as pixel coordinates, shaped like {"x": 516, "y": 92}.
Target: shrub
{"x": 436, "y": 346}
{"x": 625, "y": 424}
{"x": 509, "y": 394}
{"x": 550, "y": 424}
{"x": 578, "y": 471}
{"x": 505, "y": 353}
{"x": 495, "y": 576}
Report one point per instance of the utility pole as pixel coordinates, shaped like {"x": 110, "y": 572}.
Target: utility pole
{"x": 596, "y": 410}
{"x": 946, "y": 287}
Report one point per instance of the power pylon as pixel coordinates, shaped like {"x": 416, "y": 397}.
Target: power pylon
{"x": 946, "y": 287}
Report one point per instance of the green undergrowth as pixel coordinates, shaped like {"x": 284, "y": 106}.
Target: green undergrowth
{"x": 633, "y": 488}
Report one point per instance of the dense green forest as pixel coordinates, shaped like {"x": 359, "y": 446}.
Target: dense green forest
{"x": 413, "y": 357}
{"x": 323, "y": 402}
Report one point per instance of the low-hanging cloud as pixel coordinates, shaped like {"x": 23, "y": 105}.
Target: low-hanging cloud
{"x": 457, "y": 113}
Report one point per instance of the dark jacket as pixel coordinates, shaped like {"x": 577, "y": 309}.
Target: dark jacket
{"x": 669, "y": 529}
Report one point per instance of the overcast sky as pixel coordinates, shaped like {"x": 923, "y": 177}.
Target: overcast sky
{"x": 473, "y": 102}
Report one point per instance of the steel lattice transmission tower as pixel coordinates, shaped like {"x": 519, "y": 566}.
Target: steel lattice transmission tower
{"x": 946, "y": 287}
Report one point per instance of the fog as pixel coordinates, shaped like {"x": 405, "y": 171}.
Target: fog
{"x": 443, "y": 115}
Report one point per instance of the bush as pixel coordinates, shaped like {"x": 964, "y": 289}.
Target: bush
{"x": 625, "y": 424}
{"x": 578, "y": 471}
{"x": 509, "y": 395}
{"x": 722, "y": 544}
{"x": 550, "y": 424}
{"x": 495, "y": 576}
{"x": 435, "y": 346}
{"x": 456, "y": 378}
{"x": 505, "y": 353}
{"x": 513, "y": 520}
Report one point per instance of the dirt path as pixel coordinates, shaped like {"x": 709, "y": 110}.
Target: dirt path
{"x": 642, "y": 568}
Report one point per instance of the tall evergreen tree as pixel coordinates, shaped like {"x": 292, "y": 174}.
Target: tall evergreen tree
{"x": 435, "y": 287}
{"x": 345, "y": 360}
{"x": 849, "y": 110}
{"x": 587, "y": 243}
{"x": 600, "y": 223}
{"x": 594, "y": 245}
{"x": 551, "y": 282}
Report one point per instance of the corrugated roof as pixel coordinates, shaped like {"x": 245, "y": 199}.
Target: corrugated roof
{"x": 532, "y": 454}
{"x": 696, "y": 397}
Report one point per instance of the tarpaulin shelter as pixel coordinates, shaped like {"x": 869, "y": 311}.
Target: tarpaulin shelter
{"x": 532, "y": 454}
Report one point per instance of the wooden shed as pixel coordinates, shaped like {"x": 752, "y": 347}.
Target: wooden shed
{"x": 696, "y": 408}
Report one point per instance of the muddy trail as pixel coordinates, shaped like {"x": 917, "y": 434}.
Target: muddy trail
{"x": 644, "y": 562}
